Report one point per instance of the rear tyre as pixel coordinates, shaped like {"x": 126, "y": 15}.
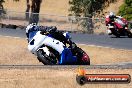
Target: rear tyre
{"x": 45, "y": 59}
{"x": 83, "y": 58}
{"x": 129, "y": 34}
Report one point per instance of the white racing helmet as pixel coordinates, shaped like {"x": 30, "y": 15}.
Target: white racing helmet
{"x": 111, "y": 14}
{"x": 67, "y": 35}
{"x": 30, "y": 26}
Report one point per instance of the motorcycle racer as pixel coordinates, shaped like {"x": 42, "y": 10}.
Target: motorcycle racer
{"x": 51, "y": 31}
{"x": 43, "y": 42}
{"x": 117, "y": 25}
{"x": 110, "y": 21}
{"x": 63, "y": 37}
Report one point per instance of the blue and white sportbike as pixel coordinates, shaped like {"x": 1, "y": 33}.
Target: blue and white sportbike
{"x": 51, "y": 51}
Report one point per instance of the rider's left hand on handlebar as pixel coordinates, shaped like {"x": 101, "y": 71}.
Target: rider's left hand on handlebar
{"x": 52, "y": 29}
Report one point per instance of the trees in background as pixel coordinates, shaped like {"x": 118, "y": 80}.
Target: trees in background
{"x": 126, "y": 10}
{"x": 27, "y": 10}
{"x": 1, "y": 6}
{"x": 87, "y": 7}
{"x": 35, "y": 9}
{"x": 33, "y": 17}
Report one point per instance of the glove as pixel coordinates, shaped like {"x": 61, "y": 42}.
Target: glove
{"x": 74, "y": 46}
{"x": 52, "y": 29}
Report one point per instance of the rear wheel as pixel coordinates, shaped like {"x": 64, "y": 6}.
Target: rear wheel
{"x": 83, "y": 58}
{"x": 45, "y": 59}
{"x": 129, "y": 34}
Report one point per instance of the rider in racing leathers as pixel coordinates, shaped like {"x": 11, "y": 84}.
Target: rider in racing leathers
{"x": 51, "y": 30}
{"x": 31, "y": 30}
{"x": 111, "y": 18}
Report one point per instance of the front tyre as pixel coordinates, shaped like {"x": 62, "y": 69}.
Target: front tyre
{"x": 129, "y": 34}
{"x": 45, "y": 59}
{"x": 115, "y": 32}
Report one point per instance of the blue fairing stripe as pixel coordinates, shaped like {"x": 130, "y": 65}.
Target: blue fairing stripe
{"x": 67, "y": 58}
{"x": 32, "y": 34}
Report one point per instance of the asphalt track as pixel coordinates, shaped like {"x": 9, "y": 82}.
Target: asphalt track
{"x": 89, "y": 39}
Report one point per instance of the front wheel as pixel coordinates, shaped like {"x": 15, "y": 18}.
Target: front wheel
{"x": 45, "y": 59}
{"x": 115, "y": 32}
{"x": 129, "y": 34}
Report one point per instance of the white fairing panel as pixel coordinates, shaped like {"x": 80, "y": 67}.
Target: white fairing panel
{"x": 110, "y": 26}
{"x": 107, "y": 16}
{"x": 109, "y": 32}
{"x": 119, "y": 17}
{"x": 119, "y": 21}
{"x": 40, "y": 39}
{"x": 55, "y": 44}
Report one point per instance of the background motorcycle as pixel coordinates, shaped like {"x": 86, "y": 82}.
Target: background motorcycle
{"x": 119, "y": 27}
{"x": 50, "y": 51}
